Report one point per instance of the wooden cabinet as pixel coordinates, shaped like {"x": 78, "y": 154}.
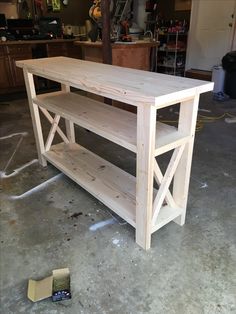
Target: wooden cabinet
{"x": 4, "y": 73}
{"x": 11, "y": 77}
{"x": 66, "y": 49}
{"x": 16, "y": 53}
{"x": 132, "y": 55}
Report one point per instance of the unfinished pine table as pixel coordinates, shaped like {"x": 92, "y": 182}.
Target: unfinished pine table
{"x": 133, "y": 198}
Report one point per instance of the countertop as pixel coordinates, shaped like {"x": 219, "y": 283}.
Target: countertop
{"x": 39, "y": 41}
{"x": 138, "y": 43}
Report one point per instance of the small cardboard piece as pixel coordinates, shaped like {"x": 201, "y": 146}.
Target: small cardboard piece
{"x": 41, "y": 289}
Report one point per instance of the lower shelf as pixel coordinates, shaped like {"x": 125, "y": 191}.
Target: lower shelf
{"x": 111, "y": 185}
{"x": 108, "y": 183}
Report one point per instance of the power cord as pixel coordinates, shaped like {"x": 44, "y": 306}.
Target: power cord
{"x": 201, "y": 120}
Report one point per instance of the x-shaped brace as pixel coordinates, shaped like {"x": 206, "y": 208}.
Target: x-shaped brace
{"x": 164, "y": 182}
{"x": 54, "y": 128}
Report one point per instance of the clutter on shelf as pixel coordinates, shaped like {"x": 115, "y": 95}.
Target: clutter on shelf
{"x": 171, "y": 57}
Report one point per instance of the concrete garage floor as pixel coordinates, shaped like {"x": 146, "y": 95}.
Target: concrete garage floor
{"x": 189, "y": 269}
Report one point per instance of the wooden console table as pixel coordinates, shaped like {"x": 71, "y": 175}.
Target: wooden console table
{"x": 133, "y": 198}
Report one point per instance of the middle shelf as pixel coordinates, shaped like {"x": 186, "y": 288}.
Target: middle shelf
{"x": 117, "y": 125}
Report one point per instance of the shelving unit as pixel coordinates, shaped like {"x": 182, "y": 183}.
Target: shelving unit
{"x": 133, "y": 198}
{"x": 169, "y": 57}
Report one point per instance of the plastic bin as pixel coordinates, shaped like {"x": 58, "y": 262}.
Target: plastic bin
{"x": 229, "y": 65}
{"x": 218, "y": 77}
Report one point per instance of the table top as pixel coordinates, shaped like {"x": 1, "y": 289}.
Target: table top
{"x": 127, "y": 85}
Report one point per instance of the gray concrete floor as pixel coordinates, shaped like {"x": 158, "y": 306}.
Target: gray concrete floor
{"x": 189, "y": 269}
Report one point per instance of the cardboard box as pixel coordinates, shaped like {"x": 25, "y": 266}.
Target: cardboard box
{"x": 56, "y": 286}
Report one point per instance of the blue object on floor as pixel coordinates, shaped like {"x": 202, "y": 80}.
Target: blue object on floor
{"x": 220, "y": 96}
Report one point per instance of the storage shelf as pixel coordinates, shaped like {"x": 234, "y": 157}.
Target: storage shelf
{"x": 117, "y": 125}
{"x": 170, "y": 66}
{"x": 108, "y": 183}
{"x": 173, "y": 34}
{"x": 172, "y": 47}
{"x": 172, "y": 50}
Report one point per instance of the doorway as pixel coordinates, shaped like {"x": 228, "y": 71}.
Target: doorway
{"x": 211, "y": 33}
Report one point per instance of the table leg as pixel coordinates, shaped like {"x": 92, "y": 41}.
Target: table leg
{"x": 34, "y": 111}
{"x": 187, "y": 124}
{"x": 146, "y": 130}
{"x": 70, "y": 129}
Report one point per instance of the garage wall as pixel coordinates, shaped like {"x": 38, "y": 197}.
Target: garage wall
{"x": 75, "y": 13}
{"x": 9, "y": 9}
{"x": 166, "y": 10}
{"x": 140, "y": 16}
{"x": 234, "y": 40}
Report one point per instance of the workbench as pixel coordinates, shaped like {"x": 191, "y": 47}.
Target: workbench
{"x": 133, "y": 198}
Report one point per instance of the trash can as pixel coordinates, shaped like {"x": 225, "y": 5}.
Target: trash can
{"x": 229, "y": 65}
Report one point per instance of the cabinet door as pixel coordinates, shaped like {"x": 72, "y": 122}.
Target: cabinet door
{"x": 4, "y": 72}
{"x": 18, "y": 52}
{"x": 74, "y": 51}
{"x": 57, "y": 49}
{"x": 66, "y": 49}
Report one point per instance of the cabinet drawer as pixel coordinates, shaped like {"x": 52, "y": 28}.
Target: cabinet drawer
{"x": 19, "y": 49}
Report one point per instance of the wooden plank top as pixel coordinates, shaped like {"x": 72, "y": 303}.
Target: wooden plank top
{"x": 127, "y": 85}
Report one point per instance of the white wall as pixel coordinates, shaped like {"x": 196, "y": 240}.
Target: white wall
{"x": 210, "y": 36}
{"x": 140, "y": 16}
{"x": 234, "y": 40}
